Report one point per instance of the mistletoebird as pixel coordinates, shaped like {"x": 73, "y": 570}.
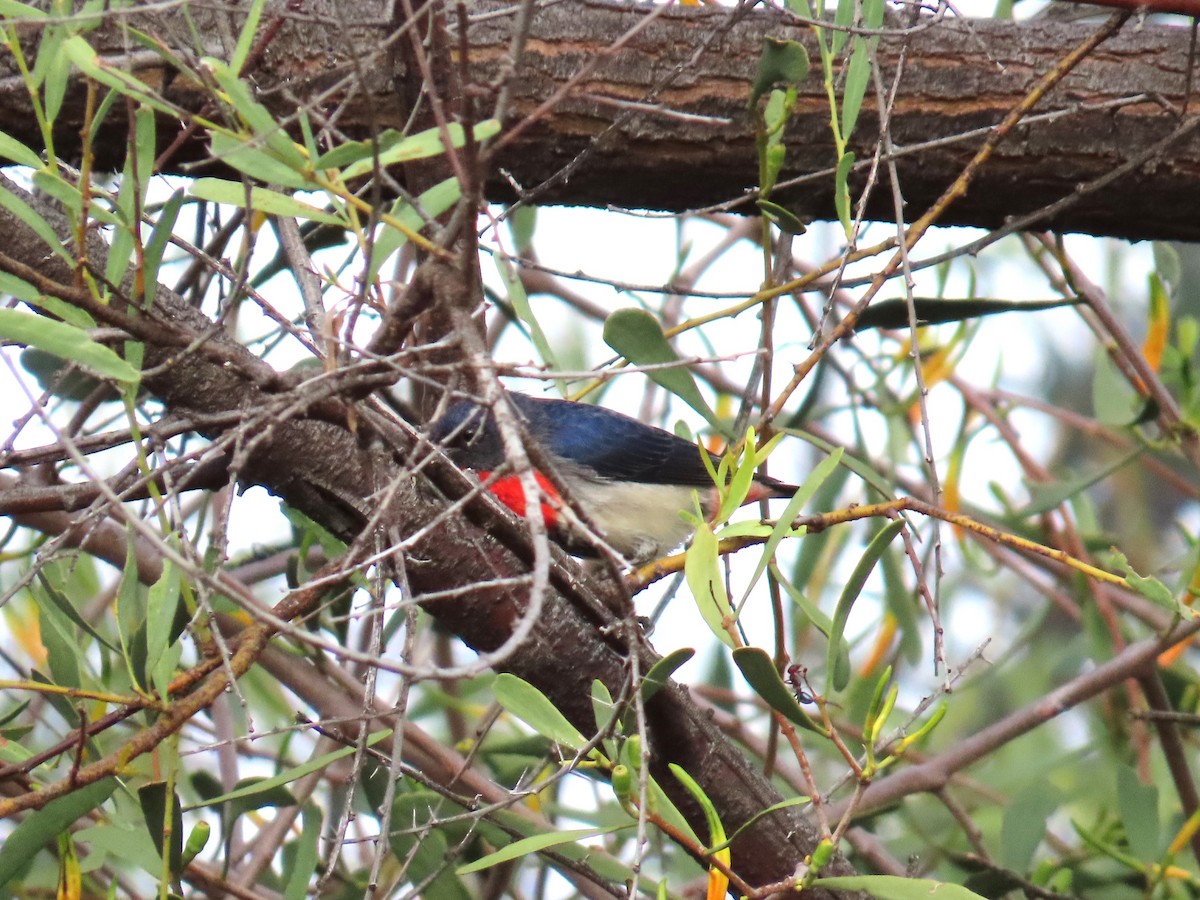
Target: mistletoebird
{"x": 631, "y": 480}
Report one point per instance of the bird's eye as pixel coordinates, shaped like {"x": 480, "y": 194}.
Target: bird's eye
{"x": 459, "y": 435}
{"x": 466, "y": 435}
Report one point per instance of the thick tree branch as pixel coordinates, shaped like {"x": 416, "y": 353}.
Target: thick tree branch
{"x": 663, "y": 124}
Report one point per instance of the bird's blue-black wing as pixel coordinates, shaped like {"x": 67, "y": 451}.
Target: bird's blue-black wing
{"x": 616, "y": 446}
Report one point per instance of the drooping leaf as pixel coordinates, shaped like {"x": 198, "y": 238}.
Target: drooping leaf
{"x": 537, "y": 842}
{"x": 524, "y": 310}
{"x": 858, "y": 75}
{"x": 783, "y": 527}
{"x": 781, "y": 62}
{"x": 431, "y": 203}
{"x": 534, "y": 708}
{"x": 80, "y": 52}
{"x": 760, "y": 673}
{"x": 660, "y": 673}
{"x": 781, "y": 217}
{"x": 718, "y": 881}
{"x": 894, "y": 887}
{"x": 638, "y": 336}
{"x": 38, "y": 225}
{"x": 260, "y": 792}
{"x": 1113, "y": 398}
{"x": 253, "y": 14}
{"x": 1138, "y": 805}
{"x": 1047, "y": 496}
{"x": 251, "y": 157}
{"x": 305, "y": 854}
{"x": 837, "y": 671}
{"x": 841, "y": 190}
{"x": 233, "y": 193}
{"x": 42, "y": 826}
{"x": 64, "y": 341}
{"x": 67, "y": 608}
{"x": 12, "y": 149}
{"x": 153, "y": 798}
{"x": 702, "y": 571}
{"x": 422, "y": 145}
{"x": 893, "y": 312}
{"x": 1025, "y": 823}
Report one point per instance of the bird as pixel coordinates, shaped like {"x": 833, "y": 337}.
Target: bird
{"x": 631, "y": 480}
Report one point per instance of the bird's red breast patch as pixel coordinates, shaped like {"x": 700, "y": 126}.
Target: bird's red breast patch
{"x": 508, "y": 490}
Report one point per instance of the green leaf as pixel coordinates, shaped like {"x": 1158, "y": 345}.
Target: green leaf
{"x": 813, "y": 612}
{"x": 1150, "y": 588}
{"x": 660, "y": 673}
{"x": 67, "y": 608}
{"x": 153, "y": 799}
{"x": 1025, "y": 823}
{"x": 1167, "y": 263}
{"x": 737, "y": 487}
{"x": 522, "y": 224}
{"x": 638, "y": 336}
{"x": 656, "y": 798}
{"x": 422, "y": 145}
{"x": 162, "y": 605}
{"x": 1047, "y": 496}
{"x": 703, "y": 573}
{"x": 39, "y": 828}
{"x": 843, "y": 17}
{"x": 424, "y": 844}
{"x": 267, "y": 132}
{"x": 431, "y": 203}
{"x": 65, "y": 341}
{"x": 894, "y": 887}
{"x": 532, "y": 707}
{"x": 520, "y": 304}
{"x": 35, "y": 223}
{"x": 80, "y": 52}
{"x": 837, "y": 668}
{"x": 537, "y": 842}
{"x": 893, "y": 312}
{"x": 54, "y": 69}
{"x": 858, "y": 74}
{"x": 783, "y": 526}
{"x": 245, "y": 43}
{"x": 303, "y": 863}
{"x": 716, "y": 831}
{"x": 1114, "y": 400}
{"x": 62, "y": 647}
{"x": 123, "y": 840}
{"x": 782, "y": 804}
{"x": 760, "y": 673}
{"x": 841, "y": 190}
{"x": 781, "y": 217}
{"x": 59, "y": 309}
{"x": 11, "y": 148}
{"x": 781, "y": 62}
{"x": 265, "y": 200}
{"x": 15, "y": 12}
{"x": 605, "y": 710}
{"x": 69, "y": 196}
{"x": 251, "y": 158}
{"x": 156, "y": 247}
{"x": 263, "y": 790}
{"x": 1138, "y": 804}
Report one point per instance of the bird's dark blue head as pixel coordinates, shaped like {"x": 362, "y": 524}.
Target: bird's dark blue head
{"x": 468, "y": 434}
{"x": 609, "y": 444}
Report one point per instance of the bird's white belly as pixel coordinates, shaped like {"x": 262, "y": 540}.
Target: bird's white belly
{"x": 640, "y": 521}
